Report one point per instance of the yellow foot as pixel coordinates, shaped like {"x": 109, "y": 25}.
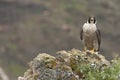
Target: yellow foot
{"x": 92, "y": 51}
{"x": 85, "y": 49}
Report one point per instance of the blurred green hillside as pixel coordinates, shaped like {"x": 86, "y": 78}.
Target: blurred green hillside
{"x": 28, "y": 27}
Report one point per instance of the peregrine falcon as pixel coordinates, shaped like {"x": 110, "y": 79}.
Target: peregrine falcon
{"x": 90, "y": 35}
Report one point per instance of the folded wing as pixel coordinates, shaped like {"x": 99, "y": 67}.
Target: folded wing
{"x": 98, "y": 34}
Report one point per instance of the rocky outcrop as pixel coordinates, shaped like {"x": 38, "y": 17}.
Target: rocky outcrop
{"x": 65, "y": 66}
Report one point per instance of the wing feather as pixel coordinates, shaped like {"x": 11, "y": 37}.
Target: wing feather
{"x": 81, "y": 34}
{"x": 98, "y": 34}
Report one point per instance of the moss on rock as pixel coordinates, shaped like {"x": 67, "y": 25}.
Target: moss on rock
{"x": 72, "y": 65}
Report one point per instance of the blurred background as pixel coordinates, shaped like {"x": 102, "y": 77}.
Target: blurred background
{"x": 30, "y": 27}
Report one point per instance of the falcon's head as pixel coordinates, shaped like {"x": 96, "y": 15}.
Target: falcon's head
{"x": 92, "y": 20}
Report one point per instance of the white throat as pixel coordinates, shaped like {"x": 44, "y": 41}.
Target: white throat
{"x": 89, "y": 27}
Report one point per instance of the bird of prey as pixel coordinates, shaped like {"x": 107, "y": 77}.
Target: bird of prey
{"x": 90, "y": 35}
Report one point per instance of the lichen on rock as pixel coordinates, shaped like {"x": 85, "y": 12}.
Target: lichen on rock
{"x": 67, "y": 65}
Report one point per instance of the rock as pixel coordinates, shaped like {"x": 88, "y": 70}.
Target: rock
{"x": 62, "y": 67}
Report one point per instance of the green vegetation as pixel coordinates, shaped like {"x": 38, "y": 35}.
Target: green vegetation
{"x": 97, "y": 72}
